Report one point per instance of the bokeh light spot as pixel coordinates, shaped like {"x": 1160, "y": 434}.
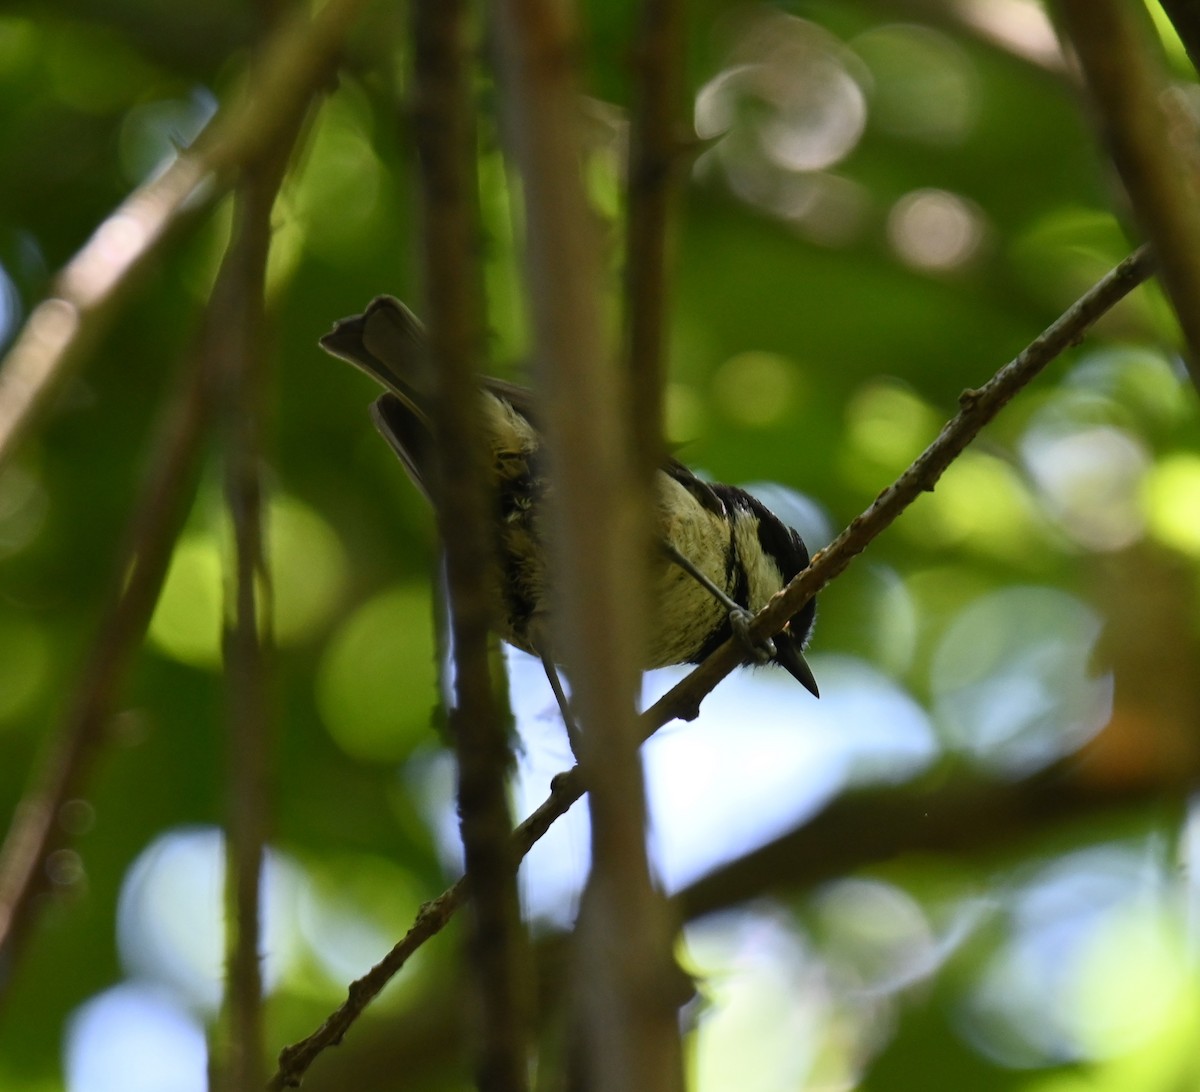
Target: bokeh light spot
{"x": 1093, "y": 967}
{"x": 308, "y": 571}
{"x": 1173, "y": 502}
{"x": 152, "y": 133}
{"x": 979, "y": 503}
{"x": 935, "y": 231}
{"x": 684, "y": 411}
{"x": 887, "y": 426}
{"x": 787, "y": 108}
{"x": 351, "y": 911}
{"x": 756, "y": 389}
{"x": 308, "y": 567}
{"x": 10, "y": 310}
{"x": 186, "y": 625}
{"x": 925, "y": 87}
{"x": 25, "y": 663}
{"x": 133, "y": 1038}
{"x": 1012, "y": 680}
{"x": 378, "y": 680}
{"x": 170, "y": 916}
{"x": 771, "y": 1021}
{"x": 336, "y": 193}
{"x": 1091, "y": 480}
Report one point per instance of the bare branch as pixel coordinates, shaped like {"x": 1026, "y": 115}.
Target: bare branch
{"x": 239, "y": 358}
{"x": 655, "y": 158}
{"x": 432, "y": 918}
{"x": 91, "y": 288}
{"x": 445, "y": 136}
{"x": 978, "y": 408}
{"x": 1154, "y": 152}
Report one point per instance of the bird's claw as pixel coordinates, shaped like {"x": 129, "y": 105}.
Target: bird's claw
{"x": 762, "y": 652}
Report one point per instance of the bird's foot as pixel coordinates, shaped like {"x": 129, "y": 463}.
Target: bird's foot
{"x": 762, "y": 652}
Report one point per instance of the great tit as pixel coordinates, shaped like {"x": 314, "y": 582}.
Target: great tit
{"x": 724, "y": 553}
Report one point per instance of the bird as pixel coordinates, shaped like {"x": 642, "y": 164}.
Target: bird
{"x": 723, "y": 554}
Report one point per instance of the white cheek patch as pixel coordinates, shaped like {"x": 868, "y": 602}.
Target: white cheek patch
{"x": 762, "y": 574}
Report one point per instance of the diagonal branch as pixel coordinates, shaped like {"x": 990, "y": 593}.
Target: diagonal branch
{"x": 79, "y": 738}
{"x": 978, "y": 407}
{"x": 868, "y": 827}
{"x": 62, "y": 329}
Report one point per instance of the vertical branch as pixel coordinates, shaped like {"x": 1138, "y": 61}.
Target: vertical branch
{"x": 238, "y": 309}
{"x": 1126, "y": 73}
{"x": 238, "y": 306}
{"x": 599, "y": 525}
{"x": 445, "y": 135}
{"x": 652, "y": 188}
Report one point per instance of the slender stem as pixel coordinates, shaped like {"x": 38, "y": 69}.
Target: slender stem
{"x": 652, "y": 188}
{"x": 238, "y": 315}
{"x": 444, "y": 111}
{"x": 246, "y": 638}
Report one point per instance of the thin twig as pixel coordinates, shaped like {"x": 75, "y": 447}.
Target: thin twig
{"x": 600, "y": 523}
{"x": 431, "y": 919}
{"x": 979, "y": 406}
{"x": 91, "y": 288}
{"x": 1155, "y": 153}
{"x": 238, "y": 315}
{"x": 443, "y": 121}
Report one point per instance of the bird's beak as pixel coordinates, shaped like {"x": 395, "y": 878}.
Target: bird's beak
{"x": 789, "y": 656}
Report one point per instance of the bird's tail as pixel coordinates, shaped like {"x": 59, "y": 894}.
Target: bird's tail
{"x": 387, "y": 341}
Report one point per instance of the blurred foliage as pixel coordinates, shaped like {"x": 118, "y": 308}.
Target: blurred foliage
{"x": 888, "y": 202}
